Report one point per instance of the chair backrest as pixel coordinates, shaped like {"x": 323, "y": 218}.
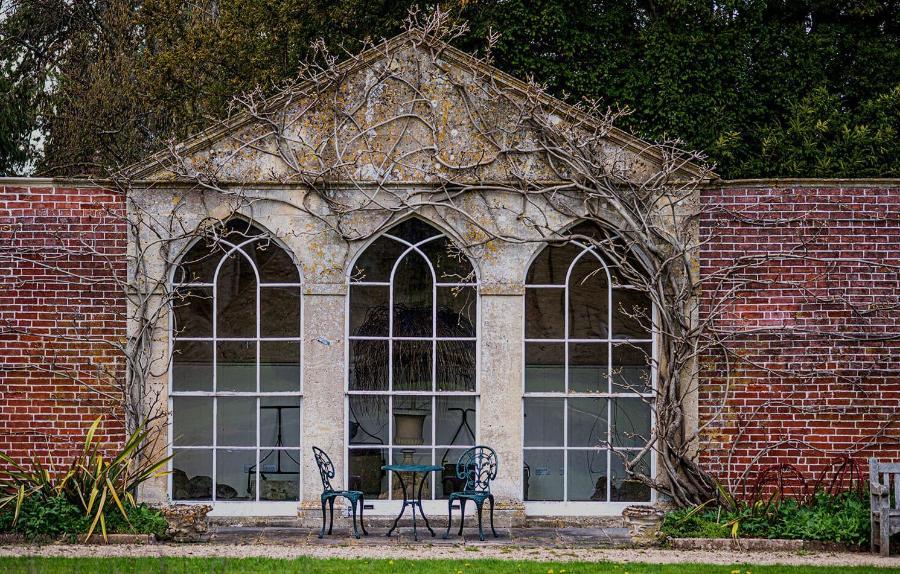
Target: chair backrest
{"x": 326, "y": 467}
{"x": 478, "y": 466}
{"x": 884, "y": 479}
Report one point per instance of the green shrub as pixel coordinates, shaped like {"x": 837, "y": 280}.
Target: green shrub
{"x": 141, "y": 520}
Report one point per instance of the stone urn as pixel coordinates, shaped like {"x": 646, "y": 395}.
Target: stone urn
{"x": 643, "y": 524}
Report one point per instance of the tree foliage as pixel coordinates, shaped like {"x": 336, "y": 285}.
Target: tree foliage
{"x": 767, "y": 87}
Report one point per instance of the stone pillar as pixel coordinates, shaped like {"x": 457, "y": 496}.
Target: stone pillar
{"x": 323, "y": 390}
{"x": 500, "y": 416}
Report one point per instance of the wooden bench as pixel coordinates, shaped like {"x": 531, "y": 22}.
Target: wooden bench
{"x": 884, "y": 480}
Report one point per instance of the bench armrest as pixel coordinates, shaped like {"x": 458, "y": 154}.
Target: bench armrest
{"x": 877, "y": 489}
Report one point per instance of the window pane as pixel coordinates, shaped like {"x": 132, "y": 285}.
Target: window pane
{"x": 368, "y": 419}
{"x": 413, "y": 305}
{"x": 623, "y": 488}
{"x": 545, "y": 313}
{"x": 631, "y": 422}
{"x": 377, "y": 261}
{"x": 587, "y": 475}
{"x": 552, "y": 264}
{"x": 368, "y": 365}
{"x": 587, "y": 422}
{"x": 193, "y": 309}
{"x": 457, "y": 312}
{"x": 273, "y": 263}
{"x": 455, "y": 365}
{"x": 545, "y": 367}
{"x": 236, "y": 366}
{"x": 279, "y": 366}
{"x": 192, "y": 474}
{"x": 450, "y": 264}
{"x": 236, "y": 298}
{"x": 412, "y": 420}
{"x": 631, "y": 368}
{"x": 279, "y": 421}
{"x": 413, "y": 230}
{"x": 280, "y": 474}
{"x": 192, "y": 421}
{"x": 588, "y": 300}
{"x": 236, "y": 421}
{"x": 198, "y": 265}
{"x": 279, "y": 310}
{"x": 192, "y": 366}
{"x": 365, "y": 472}
{"x": 411, "y": 456}
{"x": 369, "y": 315}
{"x": 235, "y": 476}
{"x": 543, "y": 421}
{"x": 543, "y": 475}
{"x": 632, "y": 317}
{"x": 412, "y": 365}
{"x": 588, "y": 368}
{"x": 456, "y": 421}
{"x": 448, "y": 481}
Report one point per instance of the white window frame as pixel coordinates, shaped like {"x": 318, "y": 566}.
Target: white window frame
{"x": 580, "y": 507}
{"x": 390, "y": 506}
{"x": 237, "y": 507}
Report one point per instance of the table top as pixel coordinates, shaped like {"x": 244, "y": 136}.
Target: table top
{"x": 412, "y": 467}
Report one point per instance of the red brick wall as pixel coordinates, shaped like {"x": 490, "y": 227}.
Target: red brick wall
{"x": 813, "y": 336}
{"x": 62, "y": 260}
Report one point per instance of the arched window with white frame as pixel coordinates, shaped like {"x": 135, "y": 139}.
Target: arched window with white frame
{"x": 588, "y": 381}
{"x": 412, "y": 359}
{"x": 235, "y": 377}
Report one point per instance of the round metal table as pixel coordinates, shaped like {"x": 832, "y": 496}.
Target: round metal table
{"x": 416, "y": 500}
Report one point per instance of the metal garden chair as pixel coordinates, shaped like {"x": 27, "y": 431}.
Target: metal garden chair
{"x": 478, "y": 467}
{"x": 329, "y": 494}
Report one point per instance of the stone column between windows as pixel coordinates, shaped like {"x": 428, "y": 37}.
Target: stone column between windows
{"x": 324, "y": 308}
{"x": 500, "y": 414}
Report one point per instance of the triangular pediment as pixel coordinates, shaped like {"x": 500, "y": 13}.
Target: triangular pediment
{"x": 410, "y": 110}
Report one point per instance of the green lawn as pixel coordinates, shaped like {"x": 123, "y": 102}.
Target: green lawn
{"x": 335, "y": 566}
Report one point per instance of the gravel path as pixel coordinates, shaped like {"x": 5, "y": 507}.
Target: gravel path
{"x": 655, "y": 556}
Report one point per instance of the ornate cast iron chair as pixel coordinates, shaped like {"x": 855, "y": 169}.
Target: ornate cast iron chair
{"x": 478, "y": 467}
{"x": 356, "y": 497}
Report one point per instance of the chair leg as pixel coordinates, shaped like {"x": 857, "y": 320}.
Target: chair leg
{"x": 479, "y": 505}
{"x": 322, "y": 532}
{"x": 353, "y": 508}
{"x": 331, "y": 520}
{"x": 491, "y": 499}
{"x": 362, "y": 506}
{"x": 462, "y": 515}
{"x": 449, "y": 518}
{"x": 885, "y": 536}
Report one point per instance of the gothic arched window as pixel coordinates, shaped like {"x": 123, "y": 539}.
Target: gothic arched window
{"x": 588, "y": 376}
{"x": 412, "y": 372}
{"x": 235, "y": 383}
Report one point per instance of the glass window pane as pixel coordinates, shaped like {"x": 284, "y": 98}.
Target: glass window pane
{"x": 368, "y": 365}
{"x": 412, "y": 420}
{"x": 413, "y": 304}
{"x": 236, "y": 421}
{"x": 625, "y": 488}
{"x": 279, "y": 421}
{"x": 413, "y": 230}
{"x": 543, "y": 475}
{"x": 450, "y": 264}
{"x": 456, "y": 421}
{"x": 455, "y": 365}
{"x": 588, "y": 368}
{"x": 280, "y": 474}
{"x": 412, "y": 365}
{"x": 588, "y": 300}
{"x": 365, "y": 472}
{"x": 587, "y": 475}
{"x": 631, "y": 422}
{"x": 457, "y": 312}
{"x": 273, "y": 263}
{"x": 279, "y": 310}
{"x": 236, "y": 366}
{"x": 545, "y": 313}
{"x": 631, "y": 368}
{"x": 235, "y": 476}
{"x": 279, "y": 366}
{"x": 193, "y": 309}
{"x": 544, "y": 421}
{"x": 236, "y": 298}
{"x": 588, "y": 422}
{"x": 447, "y": 480}
{"x": 545, "y": 367}
{"x": 368, "y": 419}
{"x": 411, "y": 456}
{"x": 192, "y": 421}
{"x": 192, "y": 366}
{"x": 199, "y": 264}
{"x": 369, "y": 315}
{"x": 552, "y": 264}
{"x": 192, "y": 474}
{"x": 631, "y": 314}
{"x": 377, "y": 261}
